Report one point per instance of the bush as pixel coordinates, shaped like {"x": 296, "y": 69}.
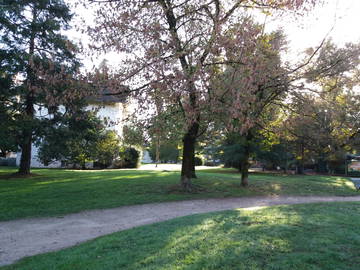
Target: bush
{"x": 73, "y": 141}
{"x": 129, "y": 158}
{"x": 8, "y": 162}
{"x": 198, "y": 161}
{"x": 211, "y": 163}
{"x": 168, "y": 153}
{"x": 106, "y": 150}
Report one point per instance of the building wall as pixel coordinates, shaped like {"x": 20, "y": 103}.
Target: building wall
{"x": 112, "y": 116}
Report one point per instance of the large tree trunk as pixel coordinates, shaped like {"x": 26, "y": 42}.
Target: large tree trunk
{"x": 188, "y": 159}
{"x": 25, "y": 161}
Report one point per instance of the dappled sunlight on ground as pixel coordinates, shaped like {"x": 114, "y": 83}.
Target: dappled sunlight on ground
{"x": 255, "y": 208}
{"x": 54, "y": 181}
{"x": 342, "y": 182}
{"x": 266, "y": 238}
{"x": 173, "y": 167}
{"x": 276, "y": 187}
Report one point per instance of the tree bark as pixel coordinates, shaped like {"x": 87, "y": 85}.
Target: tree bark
{"x": 245, "y": 174}
{"x": 26, "y": 145}
{"x": 193, "y": 173}
{"x": 188, "y": 159}
{"x": 245, "y": 162}
{"x": 300, "y": 167}
{"x": 157, "y": 151}
{"x": 245, "y": 168}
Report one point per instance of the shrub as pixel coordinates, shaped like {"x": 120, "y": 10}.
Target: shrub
{"x": 168, "y": 153}
{"x": 8, "y": 162}
{"x": 106, "y": 150}
{"x": 211, "y": 163}
{"x": 73, "y": 140}
{"x": 129, "y": 158}
{"x": 198, "y": 161}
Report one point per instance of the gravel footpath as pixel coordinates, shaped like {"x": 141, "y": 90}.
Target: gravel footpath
{"x": 26, "y": 237}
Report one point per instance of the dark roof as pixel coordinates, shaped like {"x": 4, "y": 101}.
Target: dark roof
{"x": 108, "y": 96}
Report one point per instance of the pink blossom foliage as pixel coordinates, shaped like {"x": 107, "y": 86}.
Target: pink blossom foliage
{"x": 179, "y": 47}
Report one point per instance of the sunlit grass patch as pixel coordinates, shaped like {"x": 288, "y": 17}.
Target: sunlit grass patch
{"x": 312, "y": 236}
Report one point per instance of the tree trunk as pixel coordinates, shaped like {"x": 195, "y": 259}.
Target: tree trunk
{"x": 188, "y": 159}
{"x": 157, "y": 151}
{"x": 26, "y": 145}
{"x": 245, "y": 168}
{"x": 245, "y": 174}
{"x": 193, "y": 173}
{"x": 300, "y": 166}
{"x": 25, "y": 161}
{"x": 245, "y": 161}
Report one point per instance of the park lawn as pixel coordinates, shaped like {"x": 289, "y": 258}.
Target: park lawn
{"x": 54, "y": 192}
{"x": 312, "y": 236}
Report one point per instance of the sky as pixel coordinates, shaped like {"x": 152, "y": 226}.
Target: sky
{"x": 338, "y": 19}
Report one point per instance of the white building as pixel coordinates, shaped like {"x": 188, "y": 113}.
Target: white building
{"x": 112, "y": 110}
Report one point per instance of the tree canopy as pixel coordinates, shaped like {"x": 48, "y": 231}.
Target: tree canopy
{"x": 38, "y": 68}
{"x": 176, "y": 47}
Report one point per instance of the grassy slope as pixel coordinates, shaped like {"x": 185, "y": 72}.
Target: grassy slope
{"x": 315, "y": 236}
{"x": 57, "y": 192}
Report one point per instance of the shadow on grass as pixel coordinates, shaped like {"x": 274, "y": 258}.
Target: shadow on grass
{"x": 317, "y": 236}
{"x": 12, "y": 176}
{"x": 274, "y": 238}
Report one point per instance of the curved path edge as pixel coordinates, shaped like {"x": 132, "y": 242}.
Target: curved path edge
{"x": 27, "y": 237}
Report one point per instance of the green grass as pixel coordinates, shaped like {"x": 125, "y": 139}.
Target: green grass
{"x": 313, "y": 236}
{"x": 57, "y": 192}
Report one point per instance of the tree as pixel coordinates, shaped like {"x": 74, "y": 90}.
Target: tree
{"x": 134, "y": 135}
{"x": 176, "y": 47}
{"x": 254, "y": 85}
{"x": 323, "y": 122}
{"x": 7, "y": 112}
{"x": 7, "y": 130}
{"x": 40, "y": 63}
{"x": 276, "y": 155}
{"x": 75, "y": 139}
{"x": 168, "y": 152}
{"x": 323, "y": 129}
{"x": 129, "y": 157}
{"x": 106, "y": 149}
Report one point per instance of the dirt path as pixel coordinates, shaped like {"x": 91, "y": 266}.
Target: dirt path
{"x": 26, "y": 237}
